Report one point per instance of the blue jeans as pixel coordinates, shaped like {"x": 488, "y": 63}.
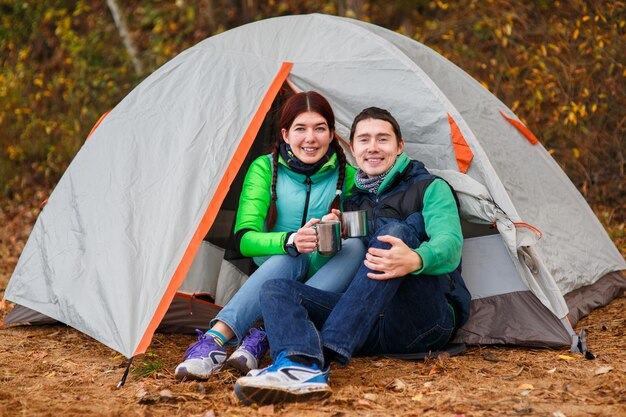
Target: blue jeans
{"x": 244, "y": 309}
{"x": 402, "y": 315}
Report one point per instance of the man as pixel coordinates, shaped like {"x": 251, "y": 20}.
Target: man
{"x": 408, "y": 295}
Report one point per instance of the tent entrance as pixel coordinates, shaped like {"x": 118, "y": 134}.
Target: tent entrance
{"x": 219, "y": 269}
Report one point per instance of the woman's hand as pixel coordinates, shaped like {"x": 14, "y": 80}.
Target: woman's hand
{"x": 334, "y": 215}
{"x": 395, "y": 262}
{"x": 306, "y": 238}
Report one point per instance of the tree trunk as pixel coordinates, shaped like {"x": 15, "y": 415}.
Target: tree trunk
{"x": 356, "y": 6}
{"x": 209, "y": 13}
{"x": 120, "y": 22}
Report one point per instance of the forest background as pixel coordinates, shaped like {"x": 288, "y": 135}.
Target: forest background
{"x": 560, "y": 66}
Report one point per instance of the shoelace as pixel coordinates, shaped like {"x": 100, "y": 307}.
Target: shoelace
{"x": 202, "y": 347}
{"x": 255, "y": 342}
{"x": 280, "y": 361}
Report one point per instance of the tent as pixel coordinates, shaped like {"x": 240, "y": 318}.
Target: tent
{"x": 138, "y": 226}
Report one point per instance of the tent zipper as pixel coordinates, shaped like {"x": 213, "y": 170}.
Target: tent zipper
{"x": 306, "y": 200}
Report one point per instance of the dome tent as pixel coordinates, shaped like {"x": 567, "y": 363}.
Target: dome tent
{"x": 122, "y": 233}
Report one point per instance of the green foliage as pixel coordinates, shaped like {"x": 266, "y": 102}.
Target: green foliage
{"x": 150, "y": 367}
{"x": 559, "y": 65}
{"x": 63, "y": 67}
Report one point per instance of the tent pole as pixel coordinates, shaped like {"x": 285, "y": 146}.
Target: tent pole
{"x": 123, "y": 381}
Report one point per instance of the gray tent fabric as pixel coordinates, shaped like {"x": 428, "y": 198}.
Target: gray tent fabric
{"x": 110, "y": 249}
{"x": 185, "y": 314}
{"x": 585, "y": 299}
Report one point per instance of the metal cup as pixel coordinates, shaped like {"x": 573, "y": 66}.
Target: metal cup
{"x": 328, "y": 237}
{"x": 354, "y": 223}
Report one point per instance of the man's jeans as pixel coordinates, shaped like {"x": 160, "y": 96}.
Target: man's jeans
{"x": 243, "y": 310}
{"x": 401, "y": 315}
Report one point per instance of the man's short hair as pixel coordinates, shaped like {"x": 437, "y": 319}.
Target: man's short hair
{"x": 378, "y": 114}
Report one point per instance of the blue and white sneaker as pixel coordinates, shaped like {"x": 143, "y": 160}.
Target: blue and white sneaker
{"x": 284, "y": 381}
{"x": 251, "y": 350}
{"x": 202, "y": 359}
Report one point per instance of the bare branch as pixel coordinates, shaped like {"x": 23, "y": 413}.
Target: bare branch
{"x": 120, "y": 22}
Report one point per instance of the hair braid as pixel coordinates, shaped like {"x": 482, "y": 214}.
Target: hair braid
{"x": 272, "y": 212}
{"x": 341, "y": 156}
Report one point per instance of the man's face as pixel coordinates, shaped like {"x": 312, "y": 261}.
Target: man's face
{"x": 375, "y": 146}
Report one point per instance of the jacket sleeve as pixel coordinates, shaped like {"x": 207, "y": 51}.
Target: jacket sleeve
{"x": 442, "y": 253}
{"x": 254, "y": 202}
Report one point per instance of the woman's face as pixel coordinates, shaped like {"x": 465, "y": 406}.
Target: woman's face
{"x": 375, "y": 146}
{"x": 309, "y": 137}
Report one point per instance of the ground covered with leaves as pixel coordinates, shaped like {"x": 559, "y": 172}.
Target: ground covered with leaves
{"x": 56, "y": 370}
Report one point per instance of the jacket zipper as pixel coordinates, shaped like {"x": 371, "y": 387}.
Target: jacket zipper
{"x": 306, "y": 201}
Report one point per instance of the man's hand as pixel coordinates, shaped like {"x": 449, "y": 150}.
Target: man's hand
{"x": 334, "y": 215}
{"x": 395, "y": 262}
{"x": 306, "y": 238}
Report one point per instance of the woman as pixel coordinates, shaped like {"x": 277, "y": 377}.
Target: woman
{"x": 302, "y": 179}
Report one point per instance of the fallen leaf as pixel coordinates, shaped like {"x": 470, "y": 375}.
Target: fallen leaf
{"x": 364, "y": 403}
{"x": 398, "y": 385}
{"x": 50, "y": 374}
{"x": 267, "y": 410}
{"x": 551, "y": 371}
{"x": 166, "y": 395}
{"x": 603, "y": 370}
{"x": 526, "y": 386}
{"x": 143, "y": 397}
{"x": 566, "y": 357}
{"x": 418, "y": 397}
{"x": 369, "y": 396}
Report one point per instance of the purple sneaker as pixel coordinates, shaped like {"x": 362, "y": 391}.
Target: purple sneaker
{"x": 251, "y": 350}
{"x": 202, "y": 359}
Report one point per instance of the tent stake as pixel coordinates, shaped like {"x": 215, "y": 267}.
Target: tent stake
{"x": 123, "y": 381}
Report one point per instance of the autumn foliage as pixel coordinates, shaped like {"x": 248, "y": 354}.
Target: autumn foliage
{"x": 559, "y": 65}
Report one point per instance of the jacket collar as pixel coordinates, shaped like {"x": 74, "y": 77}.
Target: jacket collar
{"x": 326, "y": 169}
{"x": 397, "y": 170}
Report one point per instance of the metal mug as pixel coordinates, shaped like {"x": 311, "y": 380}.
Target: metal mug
{"x": 328, "y": 237}
{"x": 354, "y": 223}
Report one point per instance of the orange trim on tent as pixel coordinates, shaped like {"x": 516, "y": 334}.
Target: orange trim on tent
{"x": 522, "y": 129}
{"x": 211, "y": 212}
{"x": 567, "y": 319}
{"x": 462, "y": 151}
{"x": 528, "y": 226}
{"x": 93, "y": 129}
{"x": 293, "y": 88}
{"x": 342, "y": 140}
